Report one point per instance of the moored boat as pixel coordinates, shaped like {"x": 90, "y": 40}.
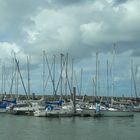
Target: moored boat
{"x": 111, "y": 112}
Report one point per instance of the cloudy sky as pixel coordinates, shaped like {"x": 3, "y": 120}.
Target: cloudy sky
{"x": 77, "y": 27}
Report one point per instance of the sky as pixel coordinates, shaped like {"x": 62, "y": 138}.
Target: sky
{"x": 80, "y": 28}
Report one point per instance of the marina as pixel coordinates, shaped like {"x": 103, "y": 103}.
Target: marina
{"x": 69, "y": 70}
{"x": 71, "y": 107}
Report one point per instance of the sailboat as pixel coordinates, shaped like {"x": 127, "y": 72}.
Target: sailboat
{"x": 116, "y": 110}
{"x": 112, "y": 110}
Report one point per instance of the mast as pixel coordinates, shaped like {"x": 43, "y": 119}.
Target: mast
{"x": 51, "y": 74}
{"x": 16, "y": 75}
{"x": 112, "y": 68}
{"x": 134, "y": 78}
{"x": 17, "y": 64}
{"x": 28, "y": 70}
{"x": 67, "y": 82}
{"x": 61, "y": 78}
{"x": 17, "y": 82}
{"x": 54, "y": 91}
{"x": 12, "y": 73}
{"x": 66, "y": 71}
{"x": 3, "y": 79}
{"x": 131, "y": 78}
{"x": 72, "y": 75}
{"x": 81, "y": 80}
{"x": 107, "y": 80}
{"x": 94, "y": 87}
{"x": 96, "y": 77}
{"x": 43, "y": 72}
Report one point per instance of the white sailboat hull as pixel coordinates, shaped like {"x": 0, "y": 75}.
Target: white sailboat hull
{"x": 59, "y": 113}
{"x": 116, "y": 113}
{"x": 40, "y": 113}
{"x": 87, "y": 112}
{"x": 2, "y": 110}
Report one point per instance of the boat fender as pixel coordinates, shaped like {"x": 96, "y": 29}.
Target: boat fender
{"x": 49, "y": 108}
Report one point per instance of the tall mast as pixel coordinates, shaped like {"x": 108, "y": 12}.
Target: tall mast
{"x": 54, "y": 91}
{"x": 3, "y": 78}
{"x": 51, "y": 74}
{"x": 94, "y": 87}
{"x": 61, "y": 69}
{"x": 43, "y": 73}
{"x": 112, "y": 68}
{"x": 107, "y": 80}
{"x": 28, "y": 69}
{"x": 96, "y": 77}
{"x": 66, "y": 71}
{"x": 16, "y": 75}
{"x": 131, "y": 78}
{"x": 12, "y": 73}
{"x": 17, "y": 82}
{"x": 81, "y": 80}
{"x": 72, "y": 76}
{"x": 17, "y": 64}
{"x": 134, "y": 79}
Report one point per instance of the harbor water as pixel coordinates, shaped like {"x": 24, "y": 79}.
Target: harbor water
{"x": 74, "y": 128}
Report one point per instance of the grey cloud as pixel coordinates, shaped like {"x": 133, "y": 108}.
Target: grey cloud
{"x": 60, "y": 29}
{"x": 14, "y": 15}
{"x": 118, "y": 2}
{"x": 66, "y": 2}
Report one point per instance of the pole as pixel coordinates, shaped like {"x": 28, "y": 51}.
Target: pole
{"x": 28, "y": 69}
{"x": 74, "y": 99}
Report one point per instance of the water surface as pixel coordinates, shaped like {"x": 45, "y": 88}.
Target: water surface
{"x": 78, "y": 128}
